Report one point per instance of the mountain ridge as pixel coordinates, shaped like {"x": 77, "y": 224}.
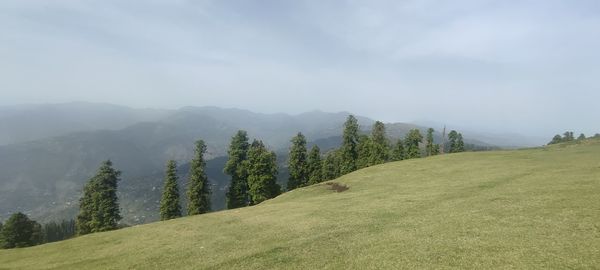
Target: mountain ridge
{"x": 44, "y": 177}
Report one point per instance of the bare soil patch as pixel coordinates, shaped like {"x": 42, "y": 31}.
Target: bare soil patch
{"x": 337, "y": 187}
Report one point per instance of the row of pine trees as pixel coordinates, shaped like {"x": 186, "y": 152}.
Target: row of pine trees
{"x": 359, "y": 151}
{"x": 568, "y": 136}
{"x": 253, "y": 170}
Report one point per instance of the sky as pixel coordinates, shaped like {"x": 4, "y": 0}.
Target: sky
{"x": 529, "y": 67}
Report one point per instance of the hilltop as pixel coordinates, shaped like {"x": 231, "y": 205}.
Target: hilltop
{"x": 532, "y": 208}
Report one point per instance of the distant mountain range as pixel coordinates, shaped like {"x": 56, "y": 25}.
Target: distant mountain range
{"x": 48, "y": 152}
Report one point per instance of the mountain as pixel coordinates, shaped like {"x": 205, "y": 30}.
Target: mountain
{"x": 22, "y": 123}
{"x": 523, "y": 209}
{"x": 44, "y": 178}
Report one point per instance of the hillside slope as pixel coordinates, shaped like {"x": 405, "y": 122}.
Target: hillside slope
{"x": 534, "y": 208}
{"x": 44, "y": 178}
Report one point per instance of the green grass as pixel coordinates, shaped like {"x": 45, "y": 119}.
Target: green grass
{"x": 534, "y": 208}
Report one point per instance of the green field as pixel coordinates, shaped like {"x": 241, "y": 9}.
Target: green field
{"x": 534, "y": 208}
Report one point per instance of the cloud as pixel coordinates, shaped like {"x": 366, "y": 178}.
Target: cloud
{"x": 529, "y": 66}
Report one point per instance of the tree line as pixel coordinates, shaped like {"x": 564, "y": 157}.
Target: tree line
{"x": 569, "y": 137}
{"x": 359, "y": 151}
{"x": 252, "y": 168}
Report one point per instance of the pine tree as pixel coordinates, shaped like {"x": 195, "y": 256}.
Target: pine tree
{"x": 435, "y": 150}
{"x": 349, "y": 148}
{"x": 315, "y": 166}
{"x": 58, "y": 231}
{"x": 365, "y": 150}
{"x": 581, "y": 137}
{"x": 331, "y": 166}
{"x": 297, "y": 163}
{"x": 556, "y": 139}
{"x": 169, "y": 202}
{"x": 198, "y": 192}
{"x": 430, "y": 148}
{"x": 380, "y": 149}
{"x": 398, "y": 152}
{"x": 460, "y": 144}
{"x": 568, "y": 136}
{"x": 237, "y": 196}
{"x": 20, "y": 231}
{"x": 452, "y": 141}
{"x": 413, "y": 138}
{"x": 99, "y": 207}
{"x": 262, "y": 173}
{"x": 1, "y": 237}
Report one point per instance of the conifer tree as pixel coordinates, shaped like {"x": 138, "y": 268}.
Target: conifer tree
{"x": 99, "y": 207}
{"x": 297, "y": 163}
{"x": 237, "y": 195}
{"x": 365, "y": 151}
{"x": 380, "y": 149}
{"x": 435, "y": 150}
{"x": 315, "y": 166}
{"x": 430, "y": 148}
{"x": 349, "y": 148}
{"x": 169, "y": 202}
{"x": 398, "y": 153}
{"x": 20, "y": 231}
{"x": 460, "y": 144}
{"x": 413, "y": 138}
{"x": 331, "y": 166}
{"x": 58, "y": 231}
{"x": 556, "y": 139}
{"x": 568, "y": 136}
{"x": 261, "y": 166}
{"x": 581, "y": 137}
{"x": 452, "y": 141}
{"x": 198, "y": 192}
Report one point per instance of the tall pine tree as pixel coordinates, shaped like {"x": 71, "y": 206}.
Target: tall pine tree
{"x": 460, "y": 144}
{"x": 169, "y": 202}
{"x": 198, "y": 192}
{"x": 430, "y": 147}
{"x": 412, "y": 141}
{"x": 297, "y": 163}
{"x": 261, "y": 166}
{"x": 380, "y": 149}
{"x": 365, "y": 150}
{"x": 315, "y": 166}
{"x": 349, "y": 148}
{"x": 398, "y": 153}
{"x": 99, "y": 206}
{"x": 237, "y": 195}
{"x": 331, "y": 166}
{"x": 453, "y": 141}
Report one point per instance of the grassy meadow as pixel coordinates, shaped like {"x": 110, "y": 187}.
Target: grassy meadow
{"x": 522, "y": 209}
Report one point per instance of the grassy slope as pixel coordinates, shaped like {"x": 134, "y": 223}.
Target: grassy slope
{"x": 537, "y": 208}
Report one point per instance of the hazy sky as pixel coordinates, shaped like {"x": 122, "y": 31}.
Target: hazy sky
{"x": 527, "y": 66}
